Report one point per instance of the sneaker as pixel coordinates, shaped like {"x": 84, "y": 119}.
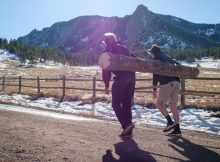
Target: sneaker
{"x": 127, "y": 132}
{"x": 126, "y": 136}
{"x": 169, "y": 127}
{"x": 175, "y": 132}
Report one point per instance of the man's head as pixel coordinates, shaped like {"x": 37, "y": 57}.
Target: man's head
{"x": 155, "y": 49}
{"x": 110, "y": 39}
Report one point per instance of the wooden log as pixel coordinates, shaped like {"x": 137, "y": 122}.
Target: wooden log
{"x": 111, "y": 61}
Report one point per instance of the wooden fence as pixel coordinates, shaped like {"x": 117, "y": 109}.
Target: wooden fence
{"x": 94, "y": 88}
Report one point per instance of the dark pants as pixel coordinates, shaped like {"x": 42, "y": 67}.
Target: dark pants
{"x": 122, "y": 95}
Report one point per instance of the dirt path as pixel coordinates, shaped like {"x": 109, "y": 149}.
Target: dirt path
{"x": 27, "y": 137}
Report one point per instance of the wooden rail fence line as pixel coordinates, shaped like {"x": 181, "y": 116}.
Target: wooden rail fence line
{"x": 5, "y": 81}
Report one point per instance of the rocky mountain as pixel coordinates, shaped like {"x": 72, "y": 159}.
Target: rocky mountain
{"x": 138, "y": 31}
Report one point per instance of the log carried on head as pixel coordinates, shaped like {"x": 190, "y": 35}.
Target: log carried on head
{"x": 111, "y": 61}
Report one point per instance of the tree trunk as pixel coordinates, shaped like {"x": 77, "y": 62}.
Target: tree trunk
{"x": 124, "y": 63}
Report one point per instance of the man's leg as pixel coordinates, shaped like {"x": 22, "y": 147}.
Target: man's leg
{"x": 127, "y": 102}
{"x": 162, "y": 109}
{"x": 162, "y": 98}
{"x": 173, "y": 107}
{"x": 118, "y": 90}
{"x": 174, "y": 100}
{"x": 176, "y": 131}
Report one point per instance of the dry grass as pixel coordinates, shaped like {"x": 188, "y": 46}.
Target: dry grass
{"x": 88, "y": 72}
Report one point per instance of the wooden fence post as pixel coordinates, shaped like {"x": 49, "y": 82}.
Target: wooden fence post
{"x": 94, "y": 89}
{"x": 19, "y": 84}
{"x": 64, "y": 85}
{"x": 3, "y": 83}
{"x": 183, "y": 88}
{"x": 38, "y": 85}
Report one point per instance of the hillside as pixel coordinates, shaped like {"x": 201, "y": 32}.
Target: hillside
{"x": 139, "y": 30}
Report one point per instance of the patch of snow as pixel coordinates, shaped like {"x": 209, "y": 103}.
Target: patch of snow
{"x": 87, "y": 67}
{"x": 207, "y": 32}
{"x": 214, "y": 65}
{"x": 182, "y": 45}
{"x": 210, "y": 32}
{"x": 175, "y": 19}
{"x": 50, "y": 65}
{"x": 44, "y": 44}
{"x": 167, "y": 45}
{"x": 166, "y": 41}
{"x": 46, "y": 66}
{"x": 68, "y": 48}
{"x": 212, "y": 73}
{"x": 45, "y": 113}
{"x": 149, "y": 41}
{"x": 205, "y": 62}
{"x": 4, "y": 56}
{"x": 192, "y": 119}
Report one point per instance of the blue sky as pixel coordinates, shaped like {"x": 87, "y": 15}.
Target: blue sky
{"x": 19, "y": 17}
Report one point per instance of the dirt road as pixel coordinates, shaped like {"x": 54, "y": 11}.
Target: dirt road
{"x": 35, "y": 138}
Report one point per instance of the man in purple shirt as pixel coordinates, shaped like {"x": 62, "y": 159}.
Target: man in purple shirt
{"x": 122, "y": 87}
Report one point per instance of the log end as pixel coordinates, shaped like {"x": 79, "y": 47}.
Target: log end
{"x": 190, "y": 72}
{"x": 104, "y": 60}
{"x": 196, "y": 72}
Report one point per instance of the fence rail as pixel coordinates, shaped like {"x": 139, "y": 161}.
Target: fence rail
{"x": 94, "y": 89}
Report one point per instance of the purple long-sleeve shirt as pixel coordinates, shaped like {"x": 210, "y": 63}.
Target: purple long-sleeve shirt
{"x": 115, "y": 49}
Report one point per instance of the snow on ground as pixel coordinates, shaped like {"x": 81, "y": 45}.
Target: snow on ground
{"x": 45, "y": 113}
{"x": 210, "y": 64}
{"x": 5, "y": 55}
{"x": 205, "y": 62}
{"x": 191, "y": 119}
